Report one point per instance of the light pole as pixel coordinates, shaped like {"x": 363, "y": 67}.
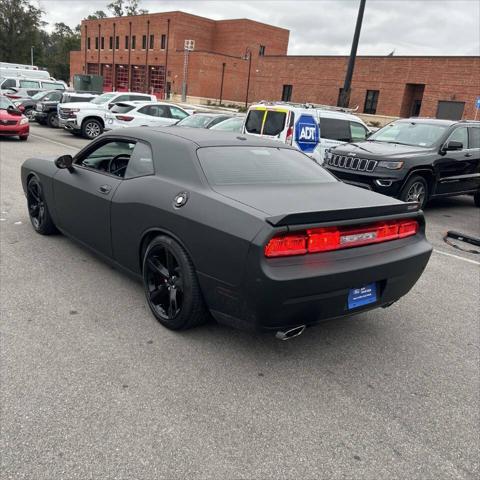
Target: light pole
{"x": 221, "y": 83}
{"x": 249, "y": 53}
{"x": 345, "y": 96}
{"x": 31, "y": 55}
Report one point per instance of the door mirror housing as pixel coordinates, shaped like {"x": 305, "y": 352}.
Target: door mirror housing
{"x": 64, "y": 161}
{"x": 452, "y": 146}
{"x": 12, "y": 110}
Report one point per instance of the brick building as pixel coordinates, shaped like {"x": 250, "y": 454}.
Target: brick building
{"x": 146, "y": 53}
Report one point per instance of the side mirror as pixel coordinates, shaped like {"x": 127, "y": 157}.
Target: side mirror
{"x": 64, "y": 161}
{"x": 452, "y": 146}
{"x": 12, "y": 110}
{"x": 369, "y": 134}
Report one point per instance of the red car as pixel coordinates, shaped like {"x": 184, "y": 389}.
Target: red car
{"x": 12, "y": 121}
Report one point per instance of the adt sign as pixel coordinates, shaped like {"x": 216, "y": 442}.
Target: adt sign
{"x": 307, "y": 133}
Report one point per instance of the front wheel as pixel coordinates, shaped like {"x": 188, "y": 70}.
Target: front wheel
{"x": 415, "y": 190}
{"x": 171, "y": 285}
{"x": 23, "y": 137}
{"x": 37, "y": 208}
{"x": 91, "y": 128}
{"x": 52, "y": 120}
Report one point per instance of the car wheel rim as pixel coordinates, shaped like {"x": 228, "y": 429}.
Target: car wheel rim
{"x": 54, "y": 121}
{"x": 36, "y": 205}
{"x": 416, "y": 193}
{"x": 92, "y": 130}
{"x": 164, "y": 282}
{"x": 29, "y": 114}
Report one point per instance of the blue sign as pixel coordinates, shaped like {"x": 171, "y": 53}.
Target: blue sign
{"x": 478, "y": 103}
{"x": 307, "y": 133}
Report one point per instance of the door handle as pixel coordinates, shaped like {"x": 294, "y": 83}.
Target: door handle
{"x": 468, "y": 154}
{"x": 104, "y": 189}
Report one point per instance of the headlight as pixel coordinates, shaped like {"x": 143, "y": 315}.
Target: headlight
{"x": 391, "y": 165}
{"x": 24, "y": 121}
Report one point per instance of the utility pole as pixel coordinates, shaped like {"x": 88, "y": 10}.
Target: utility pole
{"x": 345, "y": 97}
{"x": 31, "y": 55}
{"x": 221, "y": 83}
{"x": 249, "y": 53}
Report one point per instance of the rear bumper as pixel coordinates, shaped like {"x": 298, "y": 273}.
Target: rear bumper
{"x": 287, "y": 292}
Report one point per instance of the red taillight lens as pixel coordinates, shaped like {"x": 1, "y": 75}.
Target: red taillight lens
{"x": 335, "y": 238}
{"x": 289, "y": 138}
{"x": 124, "y": 118}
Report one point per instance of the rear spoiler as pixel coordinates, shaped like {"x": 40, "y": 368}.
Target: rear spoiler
{"x": 342, "y": 215}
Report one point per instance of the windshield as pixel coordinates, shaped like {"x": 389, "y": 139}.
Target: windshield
{"x": 260, "y": 166}
{"x": 103, "y": 98}
{"x": 195, "y": 121}
{"x": 4, "y": 103}
{"x": 410, "y": 133}
{"x": 38, "y": 95}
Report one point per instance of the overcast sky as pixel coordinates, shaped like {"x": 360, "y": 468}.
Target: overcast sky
{"x": 322, "y": 27}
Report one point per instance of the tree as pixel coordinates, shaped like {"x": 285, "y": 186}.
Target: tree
{"x": 119, "y": 8}
{"x": 96, "y": 15}
{"x": 20, "y": 29}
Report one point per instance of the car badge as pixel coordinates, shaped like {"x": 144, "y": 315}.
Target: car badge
{"x": 352, "y": 154}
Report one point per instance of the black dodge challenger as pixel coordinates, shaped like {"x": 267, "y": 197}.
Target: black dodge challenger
{"x": 251, "y": 231}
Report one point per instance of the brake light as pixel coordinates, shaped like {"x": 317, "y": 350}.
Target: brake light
{"x": 289, "y": 138}
{"x": 124, "y": 118}
{"x": 326, "y": 239}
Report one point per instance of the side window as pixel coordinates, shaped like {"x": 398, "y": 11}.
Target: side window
{"x": 29, "y": 84}
{"x": 357, "y": 132}
{"x": 141, "y": 98}
{"x": 141, "y": 162}
{"x": 274, "y": 123}
{"x": 177, "y": 113}
{"x": 459, "y": 135}
{"x": 254, "y": 121}
{"x": 216, "y": 121}
{"x": 474, "y": 137}
{"x": 121, "y": 108}
{"x": 145, "y": 110}
{"x": 111, "y": 157}
{"x": 335, "y": 129}
{"x": 122, "y": 98}
{"x": 9, "y": 83}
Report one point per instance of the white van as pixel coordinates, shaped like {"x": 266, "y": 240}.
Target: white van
{"x": 19, "y": 70}
{"x": 311, "y": 128}
{"x": 17, "y": 87}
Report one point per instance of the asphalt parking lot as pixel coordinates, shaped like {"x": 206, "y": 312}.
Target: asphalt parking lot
{"x": 93, "y": 388}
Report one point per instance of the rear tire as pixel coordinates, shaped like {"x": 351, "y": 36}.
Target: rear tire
{"x": 415, "y": 190}
{"x": 91, "y": 128}
{"x": 38, "y": 210}
{"x": 52, "y": 120}
{"x": 476, "y": 199}
{"x": 171, "y": 285}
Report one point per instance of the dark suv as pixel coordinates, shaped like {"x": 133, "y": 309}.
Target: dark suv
{"x": 413, "y": 159}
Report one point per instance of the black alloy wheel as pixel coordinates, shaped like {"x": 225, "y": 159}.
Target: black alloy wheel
{"x": 171, "y": 286}
{"x": 415, "y": 190}
{"x": 37, "y": 208}
{"x": 30, "y": 114}
{"x": 52, "y": 120}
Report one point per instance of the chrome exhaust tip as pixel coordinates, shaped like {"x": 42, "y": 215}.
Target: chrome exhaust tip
{"x": 291, "y": 333}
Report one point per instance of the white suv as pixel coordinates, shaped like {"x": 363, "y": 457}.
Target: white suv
{"x": 88, "y": 119}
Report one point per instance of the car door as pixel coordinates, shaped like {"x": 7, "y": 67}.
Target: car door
{"x": 83, "y": 195}
{"x": 473, "y": 155}
{"x": 455, "y": 168}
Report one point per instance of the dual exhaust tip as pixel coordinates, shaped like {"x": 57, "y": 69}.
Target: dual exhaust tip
{"x": 290, "y": 333}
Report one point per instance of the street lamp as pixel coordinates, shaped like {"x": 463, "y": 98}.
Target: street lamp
{"x": 248, "y": 56}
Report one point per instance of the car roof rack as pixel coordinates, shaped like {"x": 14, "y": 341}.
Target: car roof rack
{"x": 311, "y": 105}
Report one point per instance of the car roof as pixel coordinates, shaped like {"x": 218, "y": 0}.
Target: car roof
{"x": 197, "y": 137}
{"x": 437, "y": 121}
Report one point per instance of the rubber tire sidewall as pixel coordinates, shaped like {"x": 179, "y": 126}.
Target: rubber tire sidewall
{"x": 48, "y": 227}
{"x": 193, "y": 311}
{"x": 410, "y": 182}
{"x": 84, "y": 128}
{"x": 23, "y": 137}
{"x": 49, "y": 119}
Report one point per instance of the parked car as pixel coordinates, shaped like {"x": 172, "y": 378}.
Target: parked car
{"x": 414, "y": 159}
{"x": 137, "y": 114}
{"x": 12, "y": 121}
{"x": 88, "y": 118}
{"x": 27, "y": 105}
{"x": 203, "y": 120}
{"x": 23, "y": 70}
{"x": 311, "y": 128}
{"x": 249, "y": 230}
{"x": 233, "y": 124}
{"x": 21, "y": 87}
{"x": 46, "y": 108}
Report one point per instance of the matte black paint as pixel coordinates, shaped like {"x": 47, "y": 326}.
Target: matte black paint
{"x": 225, "y": 230}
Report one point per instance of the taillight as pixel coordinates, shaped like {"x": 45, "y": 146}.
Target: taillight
{"x": 326, "y": 239}
{"x": 124, "y": 118}
{"x": 289, "y": 138}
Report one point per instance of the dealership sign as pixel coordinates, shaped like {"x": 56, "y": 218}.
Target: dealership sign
{"x": 307, "y": 133}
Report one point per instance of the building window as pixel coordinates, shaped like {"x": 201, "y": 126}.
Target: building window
{"x": 126, "y": 42}
{"x": 144, "y": 42}
{"x": 103, "y": 43}
{"x": 287, "y": 93}
{"x": 163, "y": 42}
{"x": 261, "y": 52}
{"x": 134, "y": 41}
{"x": 88, "y": 43}
{"x": 371, "y": 100}
{"x": 110, "y": 43}
{"x": 152, "y": 42}
{"x": 117, "y": 43}
{"x": 96, "y": 43}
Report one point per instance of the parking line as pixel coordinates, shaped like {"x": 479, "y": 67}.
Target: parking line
{"x": 53, "y": 141}
{"x": 457, "y": 256}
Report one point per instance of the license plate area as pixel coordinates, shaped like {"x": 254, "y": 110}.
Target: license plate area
{"x": 359, "y": 297}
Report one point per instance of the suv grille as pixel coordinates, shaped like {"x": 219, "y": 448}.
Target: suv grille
{"x": 352, "y": 163}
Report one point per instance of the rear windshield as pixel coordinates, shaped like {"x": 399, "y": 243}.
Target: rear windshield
{"x": 259, "y": 165}
{"x": 274, "y": 123}
{"x": 121, "y": 108}
{"x": 254, "y": 121}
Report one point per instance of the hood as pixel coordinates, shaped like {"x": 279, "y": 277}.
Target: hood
{"x": 4, "y": 115}
{"x": 379, "y": 150}
{"x": 323, "y": 202}
{"x": 83, "y": 105}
